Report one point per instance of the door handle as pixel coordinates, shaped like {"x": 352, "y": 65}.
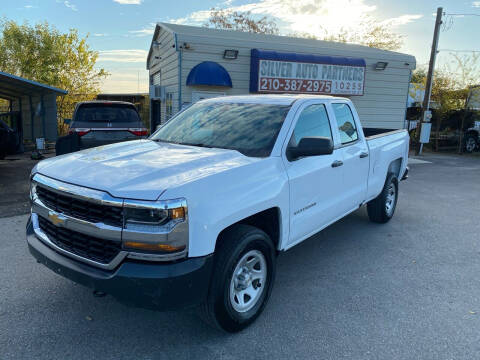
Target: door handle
{"x": 337, "y": 163}
{"x": 363, "y": 155}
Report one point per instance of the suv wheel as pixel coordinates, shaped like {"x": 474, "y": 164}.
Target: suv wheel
{"x": 243, "y": 276}
{"x": 382, "y": 208}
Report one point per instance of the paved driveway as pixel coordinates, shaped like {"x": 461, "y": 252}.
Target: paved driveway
{"x": 409, "y": 289}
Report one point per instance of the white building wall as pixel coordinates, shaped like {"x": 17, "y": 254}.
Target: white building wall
{"x": 382, "y": 105}
{"x": 167, "y": 64}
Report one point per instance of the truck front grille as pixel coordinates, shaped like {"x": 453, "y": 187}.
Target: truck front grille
{"x": 89, "y": 247}
{"x": 80, "y": 209}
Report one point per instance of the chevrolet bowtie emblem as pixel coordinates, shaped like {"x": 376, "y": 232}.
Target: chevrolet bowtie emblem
{"x": 56, "y": 219}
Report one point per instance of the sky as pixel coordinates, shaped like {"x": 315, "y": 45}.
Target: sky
{"x": 121, "y": 30}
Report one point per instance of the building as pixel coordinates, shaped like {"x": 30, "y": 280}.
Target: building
{"x": 189, "y": 63}
{"x": 32, "y": 110}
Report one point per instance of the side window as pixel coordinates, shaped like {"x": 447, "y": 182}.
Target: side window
{"x": 345, "y": 123}
{"x": 313, "y": 121}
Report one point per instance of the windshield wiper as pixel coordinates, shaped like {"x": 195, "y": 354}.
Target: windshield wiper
{"x": 186, "y": 143}
{"x": 196, "y": 144}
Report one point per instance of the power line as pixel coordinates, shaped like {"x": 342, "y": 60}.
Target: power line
{"x": 463, "y": 14}
{"x": 453, "y": 50}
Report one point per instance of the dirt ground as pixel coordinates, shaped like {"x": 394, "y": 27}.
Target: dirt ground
{"x": 14, "y": 174}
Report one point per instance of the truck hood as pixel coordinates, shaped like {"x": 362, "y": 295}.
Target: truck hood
{"x": 141, "y": 169}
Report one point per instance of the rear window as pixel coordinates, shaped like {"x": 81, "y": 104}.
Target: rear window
{"x": 106, "y": 113}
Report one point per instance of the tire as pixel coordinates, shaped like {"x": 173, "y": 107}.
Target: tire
{"x": 251, "y": 247}
{"x": 470, "y": 143}
{"x": 382, "y": 208}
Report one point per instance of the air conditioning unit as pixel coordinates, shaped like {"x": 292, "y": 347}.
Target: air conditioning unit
{"x": 157, "y": 92}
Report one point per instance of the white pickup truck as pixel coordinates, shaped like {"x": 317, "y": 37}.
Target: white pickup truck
{"x": 197, "y": 213}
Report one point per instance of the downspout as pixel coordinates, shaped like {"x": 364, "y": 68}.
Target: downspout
{"x": 179, "y": 52}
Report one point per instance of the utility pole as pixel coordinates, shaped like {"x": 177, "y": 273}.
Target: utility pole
{"x": 428, "y": 86}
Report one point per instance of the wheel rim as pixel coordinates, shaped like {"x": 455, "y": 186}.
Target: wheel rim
{"x": 248, "y": 281}
{"x": 391, "y": 197}
{"x": 470, "y": 145}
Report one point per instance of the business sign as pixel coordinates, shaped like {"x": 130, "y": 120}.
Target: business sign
{"x": 274, "y": 72}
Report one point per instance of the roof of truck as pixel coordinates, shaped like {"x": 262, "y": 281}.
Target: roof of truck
{"x": 283, "y": 99}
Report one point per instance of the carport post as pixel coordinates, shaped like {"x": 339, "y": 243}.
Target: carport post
{"x": 42, "y": 111}
{"x": 32, "y": 117}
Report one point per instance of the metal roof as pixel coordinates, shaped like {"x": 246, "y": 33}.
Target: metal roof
{"x": 253, "y": 38}
{"x": 12, "y": 86}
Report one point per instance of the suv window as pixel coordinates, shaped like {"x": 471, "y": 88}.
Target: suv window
{"x": 105, "y": 112}
{"x": 313, "y": 121}
{"x": 345, "y": 123}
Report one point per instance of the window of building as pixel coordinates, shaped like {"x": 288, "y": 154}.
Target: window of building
{"x": 155, "y": 78}
{"x": 345, "y": 123}
{"x": 313, "y": 121}
{"x": 168, "y": 105}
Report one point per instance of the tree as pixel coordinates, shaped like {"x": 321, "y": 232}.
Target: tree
{"x": 450, "y": 87}
{"x": 369, "y": 31}
{"x": 241, "y": 21}
{"x": 64, "y": 60}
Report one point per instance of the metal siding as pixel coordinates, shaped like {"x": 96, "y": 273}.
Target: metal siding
{"x": 168, "y": 65}
{"x": 382, "y": 105}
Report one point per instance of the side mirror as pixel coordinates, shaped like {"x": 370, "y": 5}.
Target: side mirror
{"x": 310, "y": 146}
{"x": 67, "y": 121}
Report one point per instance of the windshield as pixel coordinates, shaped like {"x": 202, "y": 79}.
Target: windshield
{"x": 107, "y": 113}
{"x": 248, "y": 128}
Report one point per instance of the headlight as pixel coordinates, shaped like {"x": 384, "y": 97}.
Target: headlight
{"x": 33, "y": 190}
{"x": 158, "y": 227}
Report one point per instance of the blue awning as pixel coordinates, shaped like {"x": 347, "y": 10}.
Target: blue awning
{"x": 209, "y": 73}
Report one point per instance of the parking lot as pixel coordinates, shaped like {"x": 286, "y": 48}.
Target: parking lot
{"x": 409, "y": 289}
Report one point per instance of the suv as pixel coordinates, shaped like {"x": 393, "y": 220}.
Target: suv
{"x": 472, "y": 138}
{"x": 106, "y": 122}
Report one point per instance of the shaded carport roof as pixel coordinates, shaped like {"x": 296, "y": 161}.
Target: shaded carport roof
{"x": 12, "y": 86}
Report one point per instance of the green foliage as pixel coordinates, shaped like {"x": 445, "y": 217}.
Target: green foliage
{"x": 42, "y": 53}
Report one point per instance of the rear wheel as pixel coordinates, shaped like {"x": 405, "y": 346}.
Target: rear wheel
{"x": 382, "y": 208}
{"x": 470, "y": 143}
{"x": 243, "y": 277}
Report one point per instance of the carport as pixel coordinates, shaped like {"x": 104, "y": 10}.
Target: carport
{"x": 33, "y": 108}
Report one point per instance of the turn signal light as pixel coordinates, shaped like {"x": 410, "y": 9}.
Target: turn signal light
{"x": 153, "y": 247}
{"x": 139, "y": 131}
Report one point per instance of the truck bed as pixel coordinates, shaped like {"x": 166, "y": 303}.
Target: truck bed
{"x": 371, "y": 133}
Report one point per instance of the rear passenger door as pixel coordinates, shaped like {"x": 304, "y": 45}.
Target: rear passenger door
{"x": 314, "y": 184}
{"x": 355, "y": 156}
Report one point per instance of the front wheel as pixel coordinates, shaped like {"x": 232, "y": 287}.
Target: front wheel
{"x": 243, "y": 277}
{"x": 382, "y": 208}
